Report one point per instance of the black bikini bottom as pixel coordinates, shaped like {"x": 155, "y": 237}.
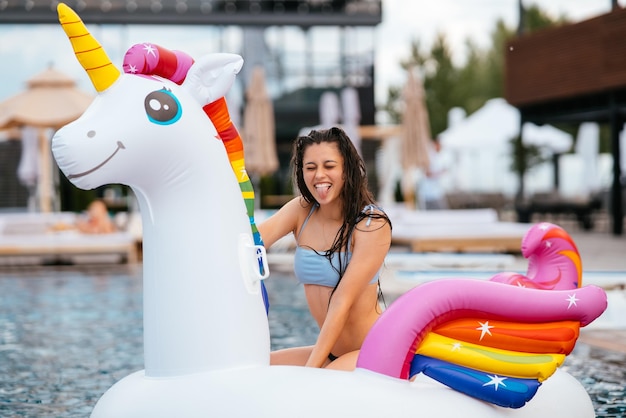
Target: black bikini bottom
{"x": 332, "y": 357}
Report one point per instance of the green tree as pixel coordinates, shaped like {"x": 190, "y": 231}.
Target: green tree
{"x": 470, "y": 85}
{"x": 439, "y": 77}
{"x": 536, "y": 19}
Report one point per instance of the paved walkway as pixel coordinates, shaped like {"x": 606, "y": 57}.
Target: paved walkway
{"x": 614, "y": 340}
{"x": 603, "y": 251}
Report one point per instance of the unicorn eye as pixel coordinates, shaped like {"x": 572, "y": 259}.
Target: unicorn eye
{"x": 162, "y": 107}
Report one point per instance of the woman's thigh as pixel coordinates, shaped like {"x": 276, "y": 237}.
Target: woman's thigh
{"x": 296, "y": 356}
{"x": 345, "y": 362}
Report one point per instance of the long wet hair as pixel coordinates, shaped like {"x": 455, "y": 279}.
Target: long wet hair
{"x": 355, "y": 195}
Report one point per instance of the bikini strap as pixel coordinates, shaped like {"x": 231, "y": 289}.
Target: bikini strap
{"x": 305, "y": 221}
{"x": 371, "y": 207}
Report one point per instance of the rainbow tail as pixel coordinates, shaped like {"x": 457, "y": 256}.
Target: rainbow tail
{"x": 498, "y": 390}
{"x": 480, "y": 337}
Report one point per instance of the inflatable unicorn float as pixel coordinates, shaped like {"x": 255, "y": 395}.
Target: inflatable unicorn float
{"x": 449, "y": 348}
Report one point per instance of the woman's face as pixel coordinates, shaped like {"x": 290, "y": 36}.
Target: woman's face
{"x": 322, "y": 166}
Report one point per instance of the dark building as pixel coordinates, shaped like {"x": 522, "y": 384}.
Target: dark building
{"x": 306, "y": 47}
{"x": 573, "y": 74}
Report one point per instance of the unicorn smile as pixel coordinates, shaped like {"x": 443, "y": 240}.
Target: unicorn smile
{"x": 120, "y": 146}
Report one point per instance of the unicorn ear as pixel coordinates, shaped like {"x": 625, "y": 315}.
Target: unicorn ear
{"x": 210, "y": 77}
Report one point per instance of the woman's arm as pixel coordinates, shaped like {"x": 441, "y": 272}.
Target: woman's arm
{"x": 284, "y": 221}
{"x": 370, "y": 246}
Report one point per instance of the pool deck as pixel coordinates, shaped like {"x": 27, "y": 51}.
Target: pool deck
{"x": 614, "y": 340}
{"x": 602, "y": 252}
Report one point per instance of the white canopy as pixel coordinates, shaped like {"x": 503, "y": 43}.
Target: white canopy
{"x": 548, "y": 136}
{"x": 479, "y": 147}
{"x": 496, "y": 124}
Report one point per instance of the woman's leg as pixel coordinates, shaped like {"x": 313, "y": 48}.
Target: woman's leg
{"x": 345, "y": 362}
{"x": 296, "y": 356}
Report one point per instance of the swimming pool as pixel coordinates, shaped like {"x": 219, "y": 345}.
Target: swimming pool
{"x": 67, "y": 334}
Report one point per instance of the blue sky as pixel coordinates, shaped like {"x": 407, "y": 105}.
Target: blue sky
{"x": 26, "y": 50}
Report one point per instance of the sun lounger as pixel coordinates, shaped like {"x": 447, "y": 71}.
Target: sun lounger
{"x": 456, "y": 230}
{"x": 35, "y": 239}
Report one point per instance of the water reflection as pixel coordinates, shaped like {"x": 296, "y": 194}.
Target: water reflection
{"x": 68, "y": 334}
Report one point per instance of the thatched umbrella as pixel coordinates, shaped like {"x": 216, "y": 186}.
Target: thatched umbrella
{"x": 416, "y": 136}
{"x": 259, "y": 132}
{"x": 51, "y": 100}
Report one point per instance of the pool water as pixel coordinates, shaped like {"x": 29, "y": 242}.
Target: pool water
{"x": 67, "y": 334}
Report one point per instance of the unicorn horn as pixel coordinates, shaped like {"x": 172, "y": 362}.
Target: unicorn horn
{"x": 89, "y": 52}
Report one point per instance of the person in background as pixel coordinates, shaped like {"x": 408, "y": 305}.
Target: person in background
{"x": 431, "y": 194}
{"x": 97, "y": 220}
{"x": 342, "y": 240}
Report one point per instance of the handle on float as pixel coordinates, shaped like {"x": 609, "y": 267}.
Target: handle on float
{"x": 253, "y": 262}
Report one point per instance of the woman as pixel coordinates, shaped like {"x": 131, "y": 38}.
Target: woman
{"x": 342, "y": 240}
{"x": 97, "y": 220}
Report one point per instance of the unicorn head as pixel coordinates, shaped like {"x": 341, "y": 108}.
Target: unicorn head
{"x": 154, "y": 134}
{"x": 136, "y": 117}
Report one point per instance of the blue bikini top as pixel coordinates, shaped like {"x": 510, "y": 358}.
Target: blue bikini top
{"x": 312, "y": 267}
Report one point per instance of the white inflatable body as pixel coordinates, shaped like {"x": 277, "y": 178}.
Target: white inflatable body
{"x": 287, "y": 392}
{"x": 206, "y": 341}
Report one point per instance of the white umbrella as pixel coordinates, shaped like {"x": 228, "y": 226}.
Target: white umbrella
{"x": 547, "y": 136}
{"x": 351, "y": 115}
{"x": 480, "y": 150}
{"x": 329, "y": 110}
{"x": 587, "y": 143}
{"x": 480, "y": 146}
{"x": 28, "y": 168}
{"x": 495, "y": 123}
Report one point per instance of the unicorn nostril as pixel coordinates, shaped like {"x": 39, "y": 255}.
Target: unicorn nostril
{"x": 91, "y": 134}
